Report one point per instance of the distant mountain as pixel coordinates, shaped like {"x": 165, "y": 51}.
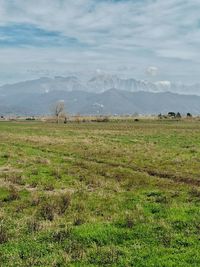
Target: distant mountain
{"x": 122, "y": 102}
{"x": 42, "y": 85}
{"x": 97, "y": 84}
{"x": 112, "y": 101}
{"x": 102, "y": 94}
{"x": 104, "y": 82}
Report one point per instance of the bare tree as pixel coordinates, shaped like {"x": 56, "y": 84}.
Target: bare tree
{"x": 59, "y": 109}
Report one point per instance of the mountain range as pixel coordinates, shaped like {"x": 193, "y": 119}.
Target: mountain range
{"x": 102, "y": 94}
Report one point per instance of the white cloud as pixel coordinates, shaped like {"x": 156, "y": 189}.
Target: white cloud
{"x": 153, "y": 71}
{"x": 163, "y": 83}
{"x": 134, "y": 34}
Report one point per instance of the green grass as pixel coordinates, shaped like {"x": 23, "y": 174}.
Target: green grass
{"x": 100, "y": 194}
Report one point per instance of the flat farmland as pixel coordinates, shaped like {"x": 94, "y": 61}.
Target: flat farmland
{"x": 118, "y": 193}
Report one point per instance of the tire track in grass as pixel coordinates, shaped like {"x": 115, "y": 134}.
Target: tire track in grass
{"x": 149, "y": 172}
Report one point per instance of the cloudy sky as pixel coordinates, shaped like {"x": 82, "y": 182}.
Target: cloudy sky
{"x": 144, "y": 39}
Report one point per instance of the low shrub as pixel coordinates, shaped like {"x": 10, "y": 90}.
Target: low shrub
{"x": 61, "y": 235}
{"x": 13, "y": 194}
{"x": 46, "y": 211}
{"x": 56, "y": 172}
{"x": 129, "y": 221}
{"x": 105, "y": 256}
{"x": 3, "y": 233}
{"x": 63, "y": 202}
{"x": 79, "y": 220}
{"x": 33, "y": 225}
{"x": 14, "y": 177}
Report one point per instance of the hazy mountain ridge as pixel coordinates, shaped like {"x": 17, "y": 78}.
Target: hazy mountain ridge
{"x": 102, "y": 94}
{"x": 98, "y": 83}
{"x": 109, "y": 102}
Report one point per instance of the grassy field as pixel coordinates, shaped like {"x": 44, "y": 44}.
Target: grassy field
{"x": 100, "y": 194}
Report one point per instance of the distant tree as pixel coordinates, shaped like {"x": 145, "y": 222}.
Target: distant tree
{"x": 59, "y": 109}
{"x": 172, "y": 114}
{"x": 160, "y": 116}
{"x": 189, "y": 115}
{"x": 65, "y": 120}
{"x": 178, "y": 115}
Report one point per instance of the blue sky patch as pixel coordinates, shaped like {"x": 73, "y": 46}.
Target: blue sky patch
{"x": 20, "y": 35}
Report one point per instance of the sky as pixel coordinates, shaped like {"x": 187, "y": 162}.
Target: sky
{"x": 153, "y": 40}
